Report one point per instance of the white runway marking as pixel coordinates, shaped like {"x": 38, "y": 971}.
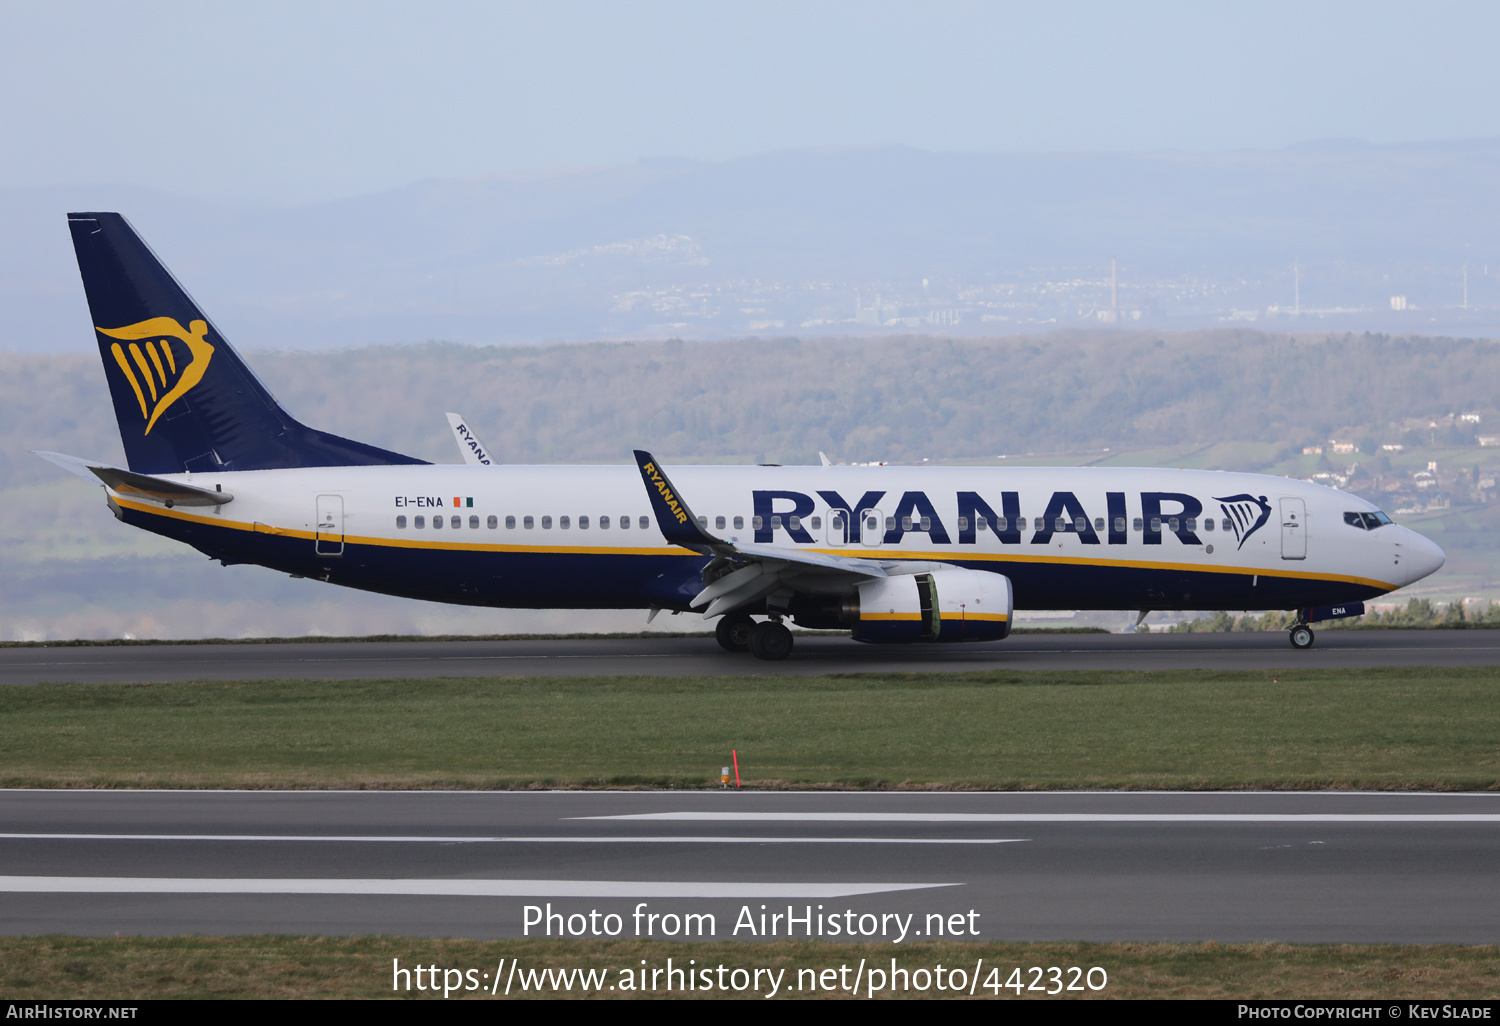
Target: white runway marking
{"x": 402, "y": 839}
{"x": 1055, "y": 817}
{"x": 448, "y": 888}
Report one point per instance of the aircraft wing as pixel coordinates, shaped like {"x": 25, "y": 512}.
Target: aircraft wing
{"x": 741, "y": 574}
{"x": 468, "y": 442}
{"x": 134, "y": 485}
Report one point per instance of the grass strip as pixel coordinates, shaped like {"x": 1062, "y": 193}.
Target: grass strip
{"x": 1388, "y": 728}
{"x": 123, "y": 968}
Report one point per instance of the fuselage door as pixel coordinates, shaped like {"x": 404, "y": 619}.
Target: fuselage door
{"x": 1293, "y": 529}
{"x": 838, "y": 527}
{"x": 872, "y": 528}
{"x": 330, "y": 527}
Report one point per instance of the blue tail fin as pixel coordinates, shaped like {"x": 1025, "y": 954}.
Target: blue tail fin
{"x": 184, "y": 399}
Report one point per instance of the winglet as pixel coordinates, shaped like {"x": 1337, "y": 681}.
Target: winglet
{"x": 468, "y": 441}
{"x": 677, "y": 523}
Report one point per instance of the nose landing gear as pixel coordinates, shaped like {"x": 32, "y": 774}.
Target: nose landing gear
{"x": 1301, "y": 636}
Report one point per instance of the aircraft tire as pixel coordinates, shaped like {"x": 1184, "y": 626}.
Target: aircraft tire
{"x": 1301, "y": 636}
{"x": 770, "y": 640}
{"x": 733, "y": 632}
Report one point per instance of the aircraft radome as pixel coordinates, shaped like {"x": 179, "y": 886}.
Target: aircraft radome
{"x": 891, "y": 554}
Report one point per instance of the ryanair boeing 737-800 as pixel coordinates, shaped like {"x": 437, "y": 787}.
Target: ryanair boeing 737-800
{"x": 891, "y": 554}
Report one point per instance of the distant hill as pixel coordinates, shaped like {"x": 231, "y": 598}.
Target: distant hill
{"x": 800, "y": 236}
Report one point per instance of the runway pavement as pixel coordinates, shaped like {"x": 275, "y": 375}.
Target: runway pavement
{"x": 1025, "y": 866}
{"x": 680, "y": 656}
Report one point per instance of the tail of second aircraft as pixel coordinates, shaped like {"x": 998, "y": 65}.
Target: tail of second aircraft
{"x": 184, "y": 399}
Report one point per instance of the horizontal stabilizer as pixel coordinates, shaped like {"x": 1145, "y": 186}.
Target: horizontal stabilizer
{"x": 142, "y": 486}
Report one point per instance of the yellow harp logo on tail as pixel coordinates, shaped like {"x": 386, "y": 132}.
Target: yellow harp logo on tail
{"x": 167, "y": 370}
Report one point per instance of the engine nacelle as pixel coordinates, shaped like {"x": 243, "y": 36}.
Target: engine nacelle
{"x": 945, "y": 605}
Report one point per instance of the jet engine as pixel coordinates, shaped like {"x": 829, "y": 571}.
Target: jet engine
{"x": 945, "y": 605}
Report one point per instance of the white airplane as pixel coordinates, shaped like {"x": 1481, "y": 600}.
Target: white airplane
{"x": 891, "y": 554}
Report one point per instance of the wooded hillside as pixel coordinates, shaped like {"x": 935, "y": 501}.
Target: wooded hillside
{"x": 894, "y": 399}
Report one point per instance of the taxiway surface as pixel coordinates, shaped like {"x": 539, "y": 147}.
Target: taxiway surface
{"x": 1083, "y": 866}
{"x": 680, "y": 656}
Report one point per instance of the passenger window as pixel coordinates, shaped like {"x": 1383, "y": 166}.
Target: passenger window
{"x": 795, "y": 522}
{"x": 926, "y": 523}
{"x": 871, "y": 524}
{"x": 1172, "y": 524}
{"x": 757, "y": 523}
{"x": 906, "y": 523}
{"x": 457, "y": 522}
{"x": 1208, "y": 523}
{"x": 1002, "y": 523}
{"x": 437, "y": 523}
{"x": 1098, "y": 523}
{"x": 776, "y": 522}
{"x": 703, "y": 522}
{"x": 1120, "y": 525}
{"x": 1191, "y": 523}
{"x": 890, "y": 523}
{"x": 528, "y": 523}
{"x": 1020, "y": 523}
{"x": 492, "y": 522}
{"x": 510, "y": 523}
{"x": 473, "y": 523}
{"x": 563, "y": 523}
{"x": 980, "y": 523}
{"x": 419, "y": 523}
{"x": 624, "y": 523}
{"x": 400, "y": 523}
{"x": 546, "y": 523}
{"x": 963, "y": 523}
{"x": 583, "y": 523}
{"x": 1227, "y": 525}
{"x": 836, "y": 522}
{"x": 739, "y": 523}
{"x": 644, "y": 523}
{"x": 718, "y": 523}
{"x": 1156, "y": 525}
{"x": 604, "y": 523}
{"x": 817, "y": 523}
{"x": 1139, "y": 524}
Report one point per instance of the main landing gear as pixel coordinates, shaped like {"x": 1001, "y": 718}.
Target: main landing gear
{"x": 737, "y": 632}
{"x": 1301, "y": 635}
{"x": 733, "y": 632}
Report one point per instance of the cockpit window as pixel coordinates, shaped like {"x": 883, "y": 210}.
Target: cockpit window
{"x": 1366, "y": 521}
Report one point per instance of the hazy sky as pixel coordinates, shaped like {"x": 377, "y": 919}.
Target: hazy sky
{"x": 289, "y": 102}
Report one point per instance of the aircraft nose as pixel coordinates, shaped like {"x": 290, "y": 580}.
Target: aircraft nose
{"x": 1419, "y": 557}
